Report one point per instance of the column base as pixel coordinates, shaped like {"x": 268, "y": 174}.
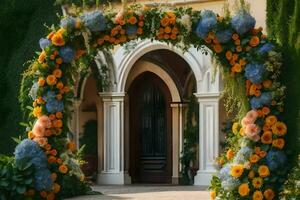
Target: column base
{"x": 175, "y": 180}
{"x": 203, "y": 178}
{"x": 106, "y": 178}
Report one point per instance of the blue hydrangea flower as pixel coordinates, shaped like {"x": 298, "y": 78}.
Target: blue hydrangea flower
{"x": 207, "y": 22}
{"x": 95, "y": 21}
{"x": 44, "y": 43}
{"x": 230, "y": 184}
{"x": 242, "y": 155}
{"x": 53, "y": 106}
{"x": 255, "y": 72}
{"x": 68, "y": 23}
{"x": 266, "y": 98}
{"x": 265, "y": 48}
{"x": 33, "y": 91}
{"x": 242, "y": 22}
{"x": 43, "y": 180}
{"x": 224, "y": 36}
{"x": 275, "y": 159}
{"x": 224, "y": 173}
{"x": 131, "y": 30}
{"x": 255, "y": 103}
{"x": 50, "y": 95}
{"x": 29, "y": 150}
{"x": 67, "y": 54}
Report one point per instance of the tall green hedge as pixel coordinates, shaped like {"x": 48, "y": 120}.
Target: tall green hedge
{"x": 21, "y": 27}
{"x": 283, "y": 24}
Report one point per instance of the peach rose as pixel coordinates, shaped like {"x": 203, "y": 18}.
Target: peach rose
{"x": 41, "y": 141}
{"x": 44, "y": 121}
{"x": 246, "y": 121}
{"x": 252, "y": 131}
{"x": 252, "y": 115}
{"x": 38, "y": 130}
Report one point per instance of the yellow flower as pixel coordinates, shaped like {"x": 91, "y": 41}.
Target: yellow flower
{"x": 242, "y": 131}
{"x": 229, "y": 154}
{"x": 269, "y": 194}
{"x": 279, "y": 128}
{"x": 57, "y": 73}
{"x": 37, "y": 111}
{"x": 257, "y": 182}
{"x": 237, "y": 170}
{"x": 212, "y": 194}
{"x": 56, "y": 188}
{"x": 63, "y": 169}
{"x": 58, "y": 40}
{"x": 235, "y": 127}
{"x": 257, "y": 195}
{"x": 42, "y": 57}
{"x": 244, "y": 189}
{"x": 263, "y": 171}
{"x": 61, "y": 31}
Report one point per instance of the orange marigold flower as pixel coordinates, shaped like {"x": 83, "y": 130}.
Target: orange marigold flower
{"x": 132, "y": 20}
{"x": 59, "y": 61}
{"x": 235, "y": 36}
{"x": 57, "y": 73}
{"x": 30, "y": 135}
{"x": 242, "y": 62}
{"x": 263, "y": 171}
{"x": 51, "y": 159}
{"x": 59, "y": 161}
{"x": 266, "y": 110}
{"x": 229, "y": 154}
{"x": 267, "y": 83}
{"x": 53, "y": 176}
{"x": 257, "y": 195}
{"x": 251, "y": 174}
{"x": 100, "y": 41}
{"x": 41, "y": 82}
{"x": 66, "y": 89}
{"x": 165, "y": 21}
{"x": 58, "y": 123}
{"x": 262, "y": 154}
{"x": 237, "y": 68}
{"x": 266, "y": 137}
{"x": 141, "y": 24}
{"x": 72, "y": 145}
{"x": 269, "y": 194}
{"x": 237, "y": 170}
{"x": 254, "y": 158}
{"x": 42, "y": 57}
{"x": 37, "y": 111}
{"x": 238, "y": 48}
{"x": 244, "y": 189}
{"x": 168, "y": 29}
{"x": 208, "y": 40}
{"x": 175, "y": 30}
{"x": 63, "y": 169}
{"x": 278, "y": 143}
{"x": 56, "y": 188}
{"x": 58, "y": 39}
{"x": 59, "y": 115}
{"x": 166, "y": 36}
{"x": 212, "y": 194}
{"x": 43, "y": 194}
{"x": 237, "y": 42}
{"x": 218, "y": 48}
{"x": 51, "y": 80}
{"x": 51, "y": 196}
{"x": 279, "y": 128}
{"x": 235, "y": 57}
{"x": 270, "y": 120}
{"x": 139, "y": 31}
{"x": 254, "y": 41}
{"x": 52, "y": 117}
{"x": 257, "y": 182}
{"x": 228, "y": 55}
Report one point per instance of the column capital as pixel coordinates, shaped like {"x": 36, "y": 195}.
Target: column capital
{"x": 212, "y": 96}
{"x": 112, "y": 96}
{"x": 77, "y": 103}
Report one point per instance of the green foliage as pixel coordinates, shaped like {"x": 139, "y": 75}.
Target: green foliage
{"x": 21, "y": 24}
{"x": 89, "y": 138}
{"x": 291, "y": 186}
{"x": 72, "y": 187}
{"x": 15, "y": 179}
{"x": 190, "y": 145}
{"x": 283, "y": 24}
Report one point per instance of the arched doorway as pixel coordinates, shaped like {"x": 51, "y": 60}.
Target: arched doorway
{"x": 150, "y": 130}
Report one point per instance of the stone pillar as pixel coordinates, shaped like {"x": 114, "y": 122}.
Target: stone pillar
{"x": 76, "y": 120}
{"x": 113, "y": 139}
{"x": 208, "y": 136}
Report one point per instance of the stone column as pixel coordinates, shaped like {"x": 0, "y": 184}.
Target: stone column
{"x": 113, "y": 139}
{"x": 208, "y": 136}
{"x": 76, "y": 120}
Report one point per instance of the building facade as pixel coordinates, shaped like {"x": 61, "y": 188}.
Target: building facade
{"x": 141, "y": 115}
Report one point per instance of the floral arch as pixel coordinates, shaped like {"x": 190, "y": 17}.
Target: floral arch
{"x": 250, "y": 64}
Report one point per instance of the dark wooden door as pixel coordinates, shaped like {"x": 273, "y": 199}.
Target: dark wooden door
{"x": 150, "y": 130}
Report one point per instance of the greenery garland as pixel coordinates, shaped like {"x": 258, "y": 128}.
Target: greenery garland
{"x": 245, "y": 53}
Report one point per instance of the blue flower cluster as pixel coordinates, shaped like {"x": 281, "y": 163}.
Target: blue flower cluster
{"x": 276, "y": 159}
{"x": 255, "y": 72}
{"x": 33, "y": 91}
{"x": 131, "y": 30}
{"x": 207, "y": 22}
{"x": 265, "y": 48}
{"x": 224, "y": 36}
{"x": 227, "y": 181}
{"x": 67, "y": 54}
{"x": 30, "y": 151}
{"x": 44, "y": 43}
{"x": 95, "y": 21}
{"x": 243, "y": 155}
{"x": 52, "y": 104}
{"x": 242, "y": 22}
{"x": 264, "y": 99}
{"x": 68, "y": 23}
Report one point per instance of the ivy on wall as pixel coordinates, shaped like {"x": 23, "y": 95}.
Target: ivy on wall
{"x": 21, "y": 23}
{"x": 283, "y": 24}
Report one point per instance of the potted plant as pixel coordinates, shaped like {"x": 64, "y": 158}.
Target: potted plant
{"x": 90, "y": 152}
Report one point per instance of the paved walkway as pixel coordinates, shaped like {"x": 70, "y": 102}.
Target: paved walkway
{"x": 148, "y": 192}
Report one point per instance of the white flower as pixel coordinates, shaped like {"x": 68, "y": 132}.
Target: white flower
{"x": 185, "y": 20}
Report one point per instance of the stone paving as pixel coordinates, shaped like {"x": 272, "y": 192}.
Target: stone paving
{"x": 148, "y": 192}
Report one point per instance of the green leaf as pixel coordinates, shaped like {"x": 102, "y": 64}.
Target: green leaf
{"x": 21, "y": 189}
{"x": 29, "y": 108}
{"x": 17, "y": 140}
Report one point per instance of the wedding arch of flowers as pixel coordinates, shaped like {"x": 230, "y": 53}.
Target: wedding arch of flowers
{"x": 252, "y": 166}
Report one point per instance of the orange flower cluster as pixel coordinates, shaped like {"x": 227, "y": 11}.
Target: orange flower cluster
{"x": 118, "y": 34}
{"x": 168, "y": 29}
{"x": 214, "y": 42}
